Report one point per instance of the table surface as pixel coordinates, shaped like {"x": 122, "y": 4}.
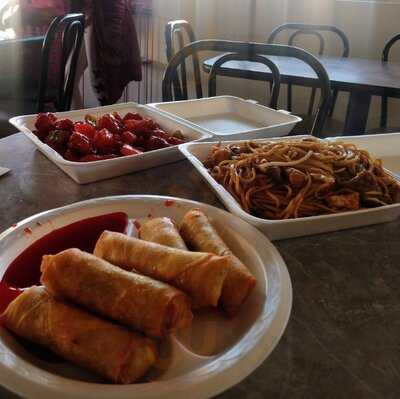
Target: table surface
{"x": 343, "y": 337}
{"x": 346, "y": 74}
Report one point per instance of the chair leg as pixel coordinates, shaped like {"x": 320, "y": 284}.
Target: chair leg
{"x": 312, "y": 101}
{"x": 178, "y": 95}
{"x": 334, "y": 99}
{"x": 289, "y": 98}
{"x": 384, "y": 112}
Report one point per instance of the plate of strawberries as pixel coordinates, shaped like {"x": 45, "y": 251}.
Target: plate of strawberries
{"x": 103, "y": 142}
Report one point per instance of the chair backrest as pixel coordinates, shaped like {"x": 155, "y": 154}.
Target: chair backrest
{"x": 311, "y": 30}
{"x": 388, "y": 47}
{"x": 276, "y": 76}
{"x": 384, "y": 100}
{"x": 299, "y": 29}
{"x": 251, "y": 49}
{"x": 174, "y": 32}
{"x": 69, "y": 29}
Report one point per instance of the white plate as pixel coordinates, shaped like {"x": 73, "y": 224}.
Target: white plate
{"x": 229, "y": 117}
{"x": 235, "y": 347}
{"x": 197, "y": 153}
{"x": 88, "y": 172}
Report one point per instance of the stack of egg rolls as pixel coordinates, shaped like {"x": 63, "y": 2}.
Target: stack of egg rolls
{"x": 199, "y": 234}
{"x": 48, "y": 315}
{"x": 89, "y": 304}
{"x": 201, "y": 275}
{"x": 137, "y": 301}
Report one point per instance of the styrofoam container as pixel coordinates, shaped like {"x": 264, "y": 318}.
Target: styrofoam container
{"x": 87, "y": 172}
{"x": 229, "y": 117}
{"x": 383, "y": 146}
{"x": 197, "y": 153}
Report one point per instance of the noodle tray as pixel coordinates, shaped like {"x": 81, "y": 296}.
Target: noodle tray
{"x": 298, "y": 186}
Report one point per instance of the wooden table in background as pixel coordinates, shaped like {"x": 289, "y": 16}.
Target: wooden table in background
{"x": 343, "y": 336}
{"x": 362, "y": 78}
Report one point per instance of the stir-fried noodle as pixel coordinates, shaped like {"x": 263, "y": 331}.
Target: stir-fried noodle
{"x": 301, "y": 177}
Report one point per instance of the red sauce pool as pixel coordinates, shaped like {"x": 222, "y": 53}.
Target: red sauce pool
{"x": 169, "y": 203}
{"x": 7, "y": 295}
{"x": 24, "y": 271}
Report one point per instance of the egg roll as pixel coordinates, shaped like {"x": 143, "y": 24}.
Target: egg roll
{"x": 110, "y": 350}
{"x": 137, "y": 301}
{"x": 200, "y": 275}
{"x": 162, "y": 231}
{"x": 200, "y": 235}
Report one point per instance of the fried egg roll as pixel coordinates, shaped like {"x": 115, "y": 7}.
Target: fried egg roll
{"x": 200, "y": 235}
{"x": 105, "y": 348}
{"x": 200, "y": 275}
{"x": 162, "y": 231}
{"x": 137, "y": 301}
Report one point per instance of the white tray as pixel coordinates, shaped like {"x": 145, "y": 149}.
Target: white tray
{"x": 382, "y": 146}
{"x": 281, "y": 229}
{"x": 229, "y": 117}
{"x": 212, "y": 355}
{"x": 87, "y": 172}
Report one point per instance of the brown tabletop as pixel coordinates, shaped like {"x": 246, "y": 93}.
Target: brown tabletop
{"x": 361, "y": 77}
{"x": 343, "y": 337}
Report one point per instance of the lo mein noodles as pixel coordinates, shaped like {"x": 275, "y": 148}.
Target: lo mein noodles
{"x": 301, "y": 177}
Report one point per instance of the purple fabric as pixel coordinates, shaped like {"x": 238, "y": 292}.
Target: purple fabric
{"x": 114, "y": 52}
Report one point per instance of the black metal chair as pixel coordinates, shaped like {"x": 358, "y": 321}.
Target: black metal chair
{"x": 385, "y": 58}
{"x": 276, "y": 76}
{"x": 174, "y": 32}
{"x": 315, "y": 31}
{"x": 70, "y": 28}
{"x": 248, "y": 50}
{"x": 32, "y": 91}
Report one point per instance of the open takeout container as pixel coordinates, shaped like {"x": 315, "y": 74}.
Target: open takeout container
{"x": 197, "y": 153}
{"x": 229, "y": 117}
{"x": 88, "y": 172}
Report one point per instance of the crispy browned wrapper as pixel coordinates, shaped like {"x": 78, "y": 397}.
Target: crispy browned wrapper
{"x": 200, "y": 235}
{"x": 162, "y": 231}
{"x": 200, "y": 275}
{"x": 137, "y": 301}
{"x": 107, "y": 349}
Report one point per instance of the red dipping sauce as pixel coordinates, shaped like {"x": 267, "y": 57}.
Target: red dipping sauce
{"x": 7, "y": 295}
{"x": 24, "y": 271}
